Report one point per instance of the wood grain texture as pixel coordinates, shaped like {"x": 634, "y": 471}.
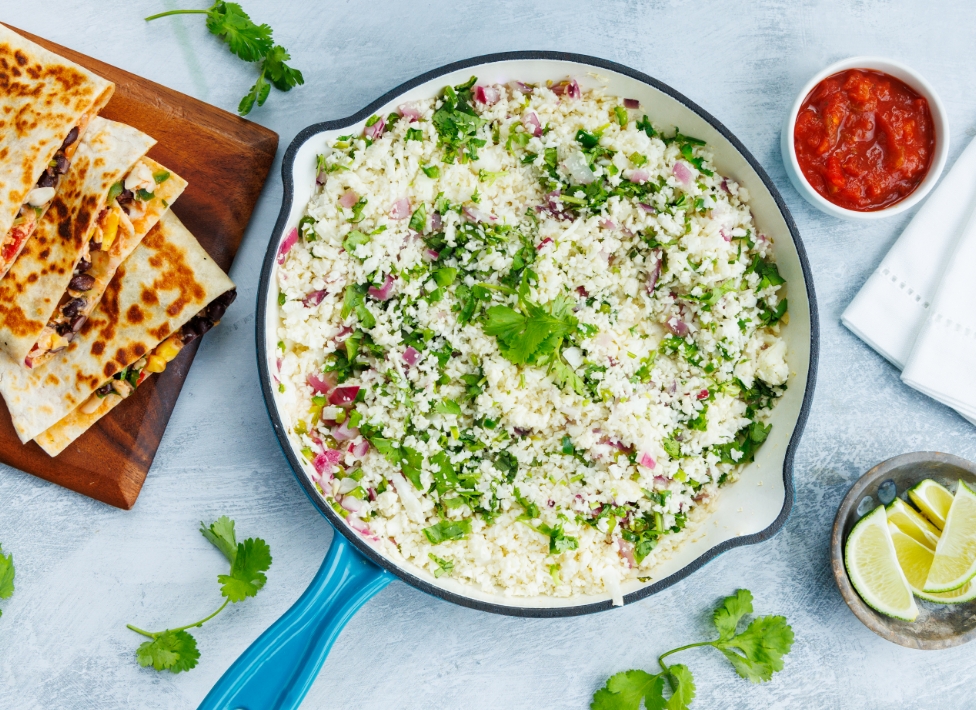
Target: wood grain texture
{"x": 225, "y": 160}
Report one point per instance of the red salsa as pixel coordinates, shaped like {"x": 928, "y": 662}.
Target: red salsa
{"x": 864, "y": 139}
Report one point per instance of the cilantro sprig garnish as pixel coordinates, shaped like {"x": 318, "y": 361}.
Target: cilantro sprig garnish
{"x": 6, "y": 575}
{"x": 756, "y": 653}
{"x": 252, "y": 43}
{"x": 176, "y": 650}
{"x": 534, "y": 334}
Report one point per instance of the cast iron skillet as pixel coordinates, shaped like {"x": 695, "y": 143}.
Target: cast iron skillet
{"x": 279, "y": 668}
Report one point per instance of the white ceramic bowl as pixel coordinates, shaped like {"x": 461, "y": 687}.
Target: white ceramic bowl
{"x": 939, "y": 119}
{"x": 751, "y": 510}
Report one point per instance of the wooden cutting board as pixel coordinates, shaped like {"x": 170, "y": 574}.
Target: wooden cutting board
{"x": 225, "y": 160}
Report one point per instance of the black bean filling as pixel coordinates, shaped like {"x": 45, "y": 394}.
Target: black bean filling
{"x": 208, "y": 317}
{"x": 59, "y": 164}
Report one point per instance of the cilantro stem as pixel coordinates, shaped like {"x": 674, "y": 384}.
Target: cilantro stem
{"x": 149, "y": 634}
{"x": 176, "y": 12}
{"x": 661, "y": 658}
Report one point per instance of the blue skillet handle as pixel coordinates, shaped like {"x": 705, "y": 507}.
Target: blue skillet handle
{"x": 277, "y": 670}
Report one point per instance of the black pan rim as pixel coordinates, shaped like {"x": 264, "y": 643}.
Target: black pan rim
{"x": 287, "y": 165}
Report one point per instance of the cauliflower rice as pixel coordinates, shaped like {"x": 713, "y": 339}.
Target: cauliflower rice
{"x": 524, "y": 335}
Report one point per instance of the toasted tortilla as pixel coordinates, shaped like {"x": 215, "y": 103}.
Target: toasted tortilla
{"x": 167, "y": 280}
{"x": 42, "y": 97}
{"x": 133, "y": 227}
{"x": 33, "y": 287}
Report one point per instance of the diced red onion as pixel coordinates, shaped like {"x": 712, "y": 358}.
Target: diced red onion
{"x": 411, "y": 356}
{"x": 682, "y": 173}
{"x": 521, "y": 87}
{"x": 487, "y": 95}
{"x": 581, "y": 290}
{"x": 639, "y": 176}
{"x": 608, "y": 224}
{"x": 324, "y": 462}
{"x": 626, "y": 551}
{"x": 410, "y": 111}
{"x": 278, "y": 364}
{"x": 431, "y": 255}
{"x": 578, "y": 168}
{"x": 703, "y": 394}
{"x": 647, "y": 461}
{"x": 344, "y": 396}
{"x": 531, "y": 123}
{"x": 647, "y": 208}
{"x": 289, "y": 241}
{"x": 348, "y": 199}
{"x": 356, "y": 523}
{"x": 725, "y": 235}
{"x": 678, "y": 327}
{"x": 725, "y": 186}
{"x": 344, "y": 432}
{"x": 476, "y": 215}
{"x": 384, "y": 292}
{"x": 322, "y": 384}
{"x": 631, "y": 103}
{"x": 372, "y": 493}
{"x": 544, "y": 243}
{"x": 314, "y": 298}
{"x": 376, "y": 130}
{"x": 568, "y": 88}
{"x": 359, "y": 449}
{"x": 435, "y": 222}
{"x": 762, "y": 238}
{"x": 351, "y": 503}
{"x": 321, "y": 178}
{"x": 654, "y": 274}
{"x": 343, "y": 333}
{"x": 400, "y": 209}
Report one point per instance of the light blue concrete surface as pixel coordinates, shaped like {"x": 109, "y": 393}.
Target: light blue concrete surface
{"x": 84, "y": 570}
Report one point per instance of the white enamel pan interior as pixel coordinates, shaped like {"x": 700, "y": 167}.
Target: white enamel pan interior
{"x": 748, "y": 511}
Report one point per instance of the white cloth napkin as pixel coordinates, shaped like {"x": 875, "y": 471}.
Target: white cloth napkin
{"x": 916, "y": 299}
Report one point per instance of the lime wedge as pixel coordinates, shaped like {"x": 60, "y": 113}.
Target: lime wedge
{"x": 872, "y": 566}
{"x": 933, "y": 500}
{"x": 915, "y": 560}
{"x": 911, "y": 522}
{"x": 955, "y": 555}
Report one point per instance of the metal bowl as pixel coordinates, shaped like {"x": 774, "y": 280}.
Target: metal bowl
{"x": 938, "y": 625}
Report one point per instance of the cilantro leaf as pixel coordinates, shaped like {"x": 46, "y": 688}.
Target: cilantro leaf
{"x": 533, "y": 335}
{"x": 728, "y": 614}
{"x": 447, "y": 406}
{"x": 682, "y": 688}
{"x": 758, "y": 651}
{"x": 221, "y": 534}
{"x": 247, "y": 571}
{"x": 252, "y": 43}
{"x": 172, "y": 651}
{"x": 281, "y": 75}
{"x": 447, "y": 530}
{"x": 6, "y": 575}
{"x": 246, "y": 39}
{"x": 625, "y": 690}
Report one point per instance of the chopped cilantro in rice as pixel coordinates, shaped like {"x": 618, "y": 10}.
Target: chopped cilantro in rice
{"x": 526, "y": 335}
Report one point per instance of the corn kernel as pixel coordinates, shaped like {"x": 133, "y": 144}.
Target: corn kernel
{"x": 154, "y": 363}
{"x": 110, "y": 229}
{"x": 169, "y": 349}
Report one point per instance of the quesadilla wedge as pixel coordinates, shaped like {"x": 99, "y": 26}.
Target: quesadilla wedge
{"x": 167, "y": 293}
{"x": 140, "y": 200}
{"x": 34, "y": 286}
{"x": 46, "y": 104}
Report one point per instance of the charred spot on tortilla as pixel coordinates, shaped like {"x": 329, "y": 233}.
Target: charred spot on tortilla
{"x": 139, "y": 349}
{"x": 21, "y": 58}
{"x": 110, "y": 369}
{"x": 32, "y": 278}
{"x": 121, "y": 356}
{"x": 45, "y": 253}
{"x": 160, "y": 332}
{"x": 135, "y": 314}
{"x": 98, "y": 347}
{"x": 51, "y": 379}
{"x": 148, "y": 297}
